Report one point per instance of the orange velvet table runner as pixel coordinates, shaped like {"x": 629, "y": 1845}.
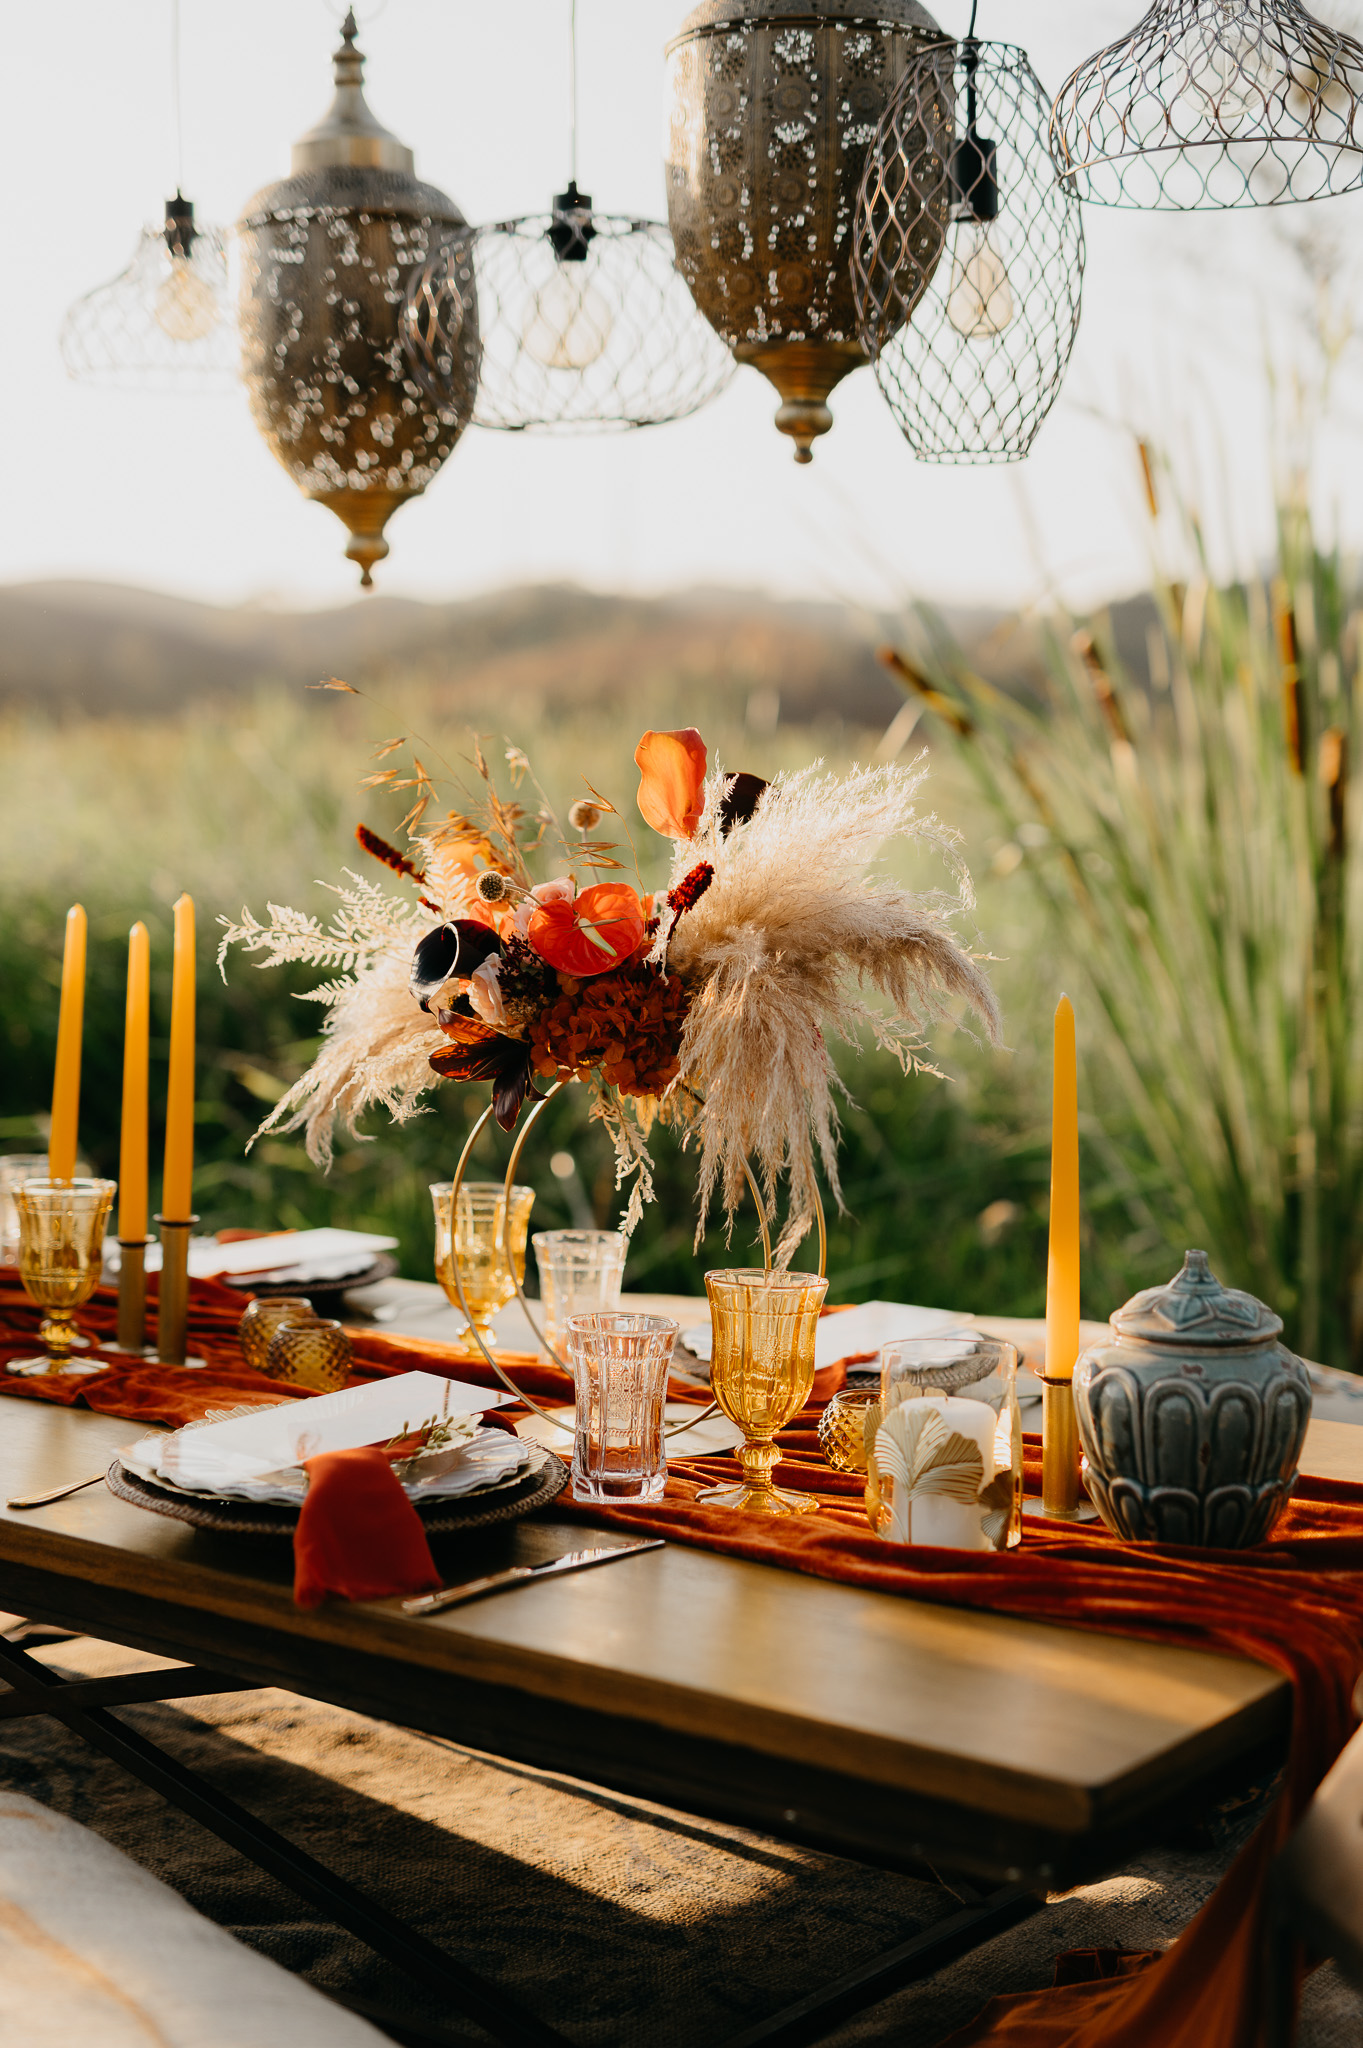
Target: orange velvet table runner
{"x": 1294, "y": 1603}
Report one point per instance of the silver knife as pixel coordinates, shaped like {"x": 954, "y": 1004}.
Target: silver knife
{"x": 518, "y": 1574}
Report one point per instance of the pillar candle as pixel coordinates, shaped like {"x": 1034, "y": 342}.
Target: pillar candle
{"x": 132, "y": 1154}
{"x": 61, "y": 1144}
{"x": 1062, "y": 1275}
{"x": 177, "y": 1191}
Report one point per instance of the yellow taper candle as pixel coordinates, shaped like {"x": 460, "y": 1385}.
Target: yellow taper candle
{"x": 61, "y": 1144}
{"x": 132, "y": 1154}
{"x": 1062, "y": 1274}
{"x": 177, "y": 1191}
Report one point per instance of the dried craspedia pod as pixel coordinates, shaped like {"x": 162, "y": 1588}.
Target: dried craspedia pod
{"x": 584, "y": 815}
{"x": 492, "y": 887}
{"x": 327, "y": 254}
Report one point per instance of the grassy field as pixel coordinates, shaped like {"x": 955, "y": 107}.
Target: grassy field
{"x": 946, "y": 1181}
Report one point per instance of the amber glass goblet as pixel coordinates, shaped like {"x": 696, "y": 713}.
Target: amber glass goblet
{"x": 484, "y": 1237}
{"x": 61, "y": 1252}
{"x": 761, "y": 1372}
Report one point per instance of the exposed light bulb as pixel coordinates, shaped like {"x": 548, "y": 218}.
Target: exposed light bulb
{"x": 980, "y": 304}
{"x": 1230, "y": 70}
{"x": 570, "y": 324}
{"x": 186, "y": 305}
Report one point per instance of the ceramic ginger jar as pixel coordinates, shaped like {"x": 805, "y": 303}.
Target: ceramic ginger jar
{"x": 1192, "y": 1415}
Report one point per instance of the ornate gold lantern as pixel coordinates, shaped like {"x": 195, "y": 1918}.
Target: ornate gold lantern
{"x": 773, "y": 107}
{"x": 327, "y": 257}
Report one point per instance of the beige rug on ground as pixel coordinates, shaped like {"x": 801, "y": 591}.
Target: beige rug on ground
{"x": 623, "y": 1924}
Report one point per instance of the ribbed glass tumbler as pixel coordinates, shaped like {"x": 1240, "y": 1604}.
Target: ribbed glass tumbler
{"x": 580, "y": 1271}
{"x": 619, "y": 1364}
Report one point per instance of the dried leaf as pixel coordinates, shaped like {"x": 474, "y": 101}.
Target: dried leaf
{"x": 380, "y": 776}
{"x": 335, "y": 683}
{"x": 389, "y": 747}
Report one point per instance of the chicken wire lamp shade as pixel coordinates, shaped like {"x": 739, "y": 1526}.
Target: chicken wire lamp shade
{"x": 1214, "y": 103}
{"x": 327, "y": 257}
{"x": 166, "y": 322}
{"x": 969, "y": 353}
{"x": 773, "y": 104}
{"x": 582, "y": 323}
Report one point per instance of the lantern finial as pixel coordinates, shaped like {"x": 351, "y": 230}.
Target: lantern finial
{"x": 348, "y": 133}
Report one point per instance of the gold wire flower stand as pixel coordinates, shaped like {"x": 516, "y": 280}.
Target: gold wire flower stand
{"x": 545, "y": 1414}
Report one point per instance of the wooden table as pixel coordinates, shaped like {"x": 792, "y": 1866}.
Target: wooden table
{"x": 1019, "y": 1754}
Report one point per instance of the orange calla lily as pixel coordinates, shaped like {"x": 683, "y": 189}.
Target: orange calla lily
{"x": 594, "y": 933}
{"x": 672, "y": 765}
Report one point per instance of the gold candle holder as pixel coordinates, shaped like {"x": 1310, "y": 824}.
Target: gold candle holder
{"x": 132, "y": 1296}
{"x": 172, "y": 1308}
{"x": 1060, "y": 1491}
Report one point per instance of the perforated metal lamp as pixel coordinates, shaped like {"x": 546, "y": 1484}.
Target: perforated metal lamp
{"x": 773, "y": 106}
{"x": 1215, "y": 104}
{"x": 582, "y": 324}
{"x": 166, "y": 322}
{"x": 969, "y": 352}
{"x": 327, "y": 254}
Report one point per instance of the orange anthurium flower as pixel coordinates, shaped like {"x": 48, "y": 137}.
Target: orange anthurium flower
{"x": 593, "y": 933}
{"x": 673, "y": 770}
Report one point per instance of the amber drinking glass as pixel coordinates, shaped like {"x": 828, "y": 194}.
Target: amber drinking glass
{"x": 761, "y": 1372}
{"x": 263, "y": 1317}
{"x": 61, "y": 1252}
{"x": 485, "y": 1237}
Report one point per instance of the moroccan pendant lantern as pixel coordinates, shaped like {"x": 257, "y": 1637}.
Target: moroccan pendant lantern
{"x": 773, "y": 107}
{"x": 327, "y": 257}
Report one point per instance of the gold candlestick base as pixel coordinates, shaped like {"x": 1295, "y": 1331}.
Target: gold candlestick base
{"x": 132, "y": 1297}
{"x": 1060, "y": 1491}
{"x": 172, "y": 1309}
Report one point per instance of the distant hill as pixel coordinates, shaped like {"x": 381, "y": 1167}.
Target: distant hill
{"x": 97, "y": 648}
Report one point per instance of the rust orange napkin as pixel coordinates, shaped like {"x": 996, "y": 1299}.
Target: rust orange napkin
{"x": 358, "y": 1535}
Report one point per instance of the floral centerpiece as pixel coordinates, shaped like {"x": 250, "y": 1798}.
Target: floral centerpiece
{"x": 709, "y": 1004}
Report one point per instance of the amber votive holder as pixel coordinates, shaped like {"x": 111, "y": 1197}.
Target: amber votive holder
{"x": 310, "y": 1352}
{"x": 172, "y": 1304}
{"x": 1060, "y": 1485}
{"x": 262, "y": 1317}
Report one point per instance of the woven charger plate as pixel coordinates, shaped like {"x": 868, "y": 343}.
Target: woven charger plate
{"x": 505, "y": 1502}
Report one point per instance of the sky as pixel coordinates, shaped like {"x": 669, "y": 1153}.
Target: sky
{"x": 180, "y": 494}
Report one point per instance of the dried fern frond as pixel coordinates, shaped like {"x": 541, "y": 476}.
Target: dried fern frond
{"x": 782, "y": 950}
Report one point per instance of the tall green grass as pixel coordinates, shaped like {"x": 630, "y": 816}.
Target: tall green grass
{"x": 1194, "y": 846}
{"x": 260, "y": 804}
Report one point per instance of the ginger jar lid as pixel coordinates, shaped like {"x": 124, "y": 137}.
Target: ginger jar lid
{"x": 1194, "y": 1308}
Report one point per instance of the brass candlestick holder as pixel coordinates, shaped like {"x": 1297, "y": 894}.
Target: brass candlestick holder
{"x": 172, "y": 1306}
{"x": 1060, "y": 1490}
{"x": 132, "y": 1296}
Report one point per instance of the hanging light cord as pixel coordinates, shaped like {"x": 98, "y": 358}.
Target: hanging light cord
{"x": 572, "y": 92}
{"x": 175, "y": 95}
{"x": 974, "y": 10}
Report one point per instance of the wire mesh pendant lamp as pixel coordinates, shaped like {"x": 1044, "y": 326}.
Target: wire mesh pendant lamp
{"x": 165, "y": 323}
{"x": 969, "y": 352}
{"x": 1215, "y": 104}
{"x": 582, "y": 320}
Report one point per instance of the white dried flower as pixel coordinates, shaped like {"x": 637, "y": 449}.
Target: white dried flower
{"x": 584, "y": 815}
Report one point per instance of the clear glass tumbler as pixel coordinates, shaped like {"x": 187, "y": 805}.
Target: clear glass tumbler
{"x": 61, "y": 1254}
{"x": 619, "y": 1364}
{"x": 484, "y": 1239}
{"x": 15, "y": 1168}
{"x": 761, "y": 1371}
{"x": 945, "y": 1465}
{"x": 580, "y": 1270}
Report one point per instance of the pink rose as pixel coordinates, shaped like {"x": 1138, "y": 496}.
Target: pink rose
{"x": 563, "y": 890}
{"x": 485, "y": 994}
